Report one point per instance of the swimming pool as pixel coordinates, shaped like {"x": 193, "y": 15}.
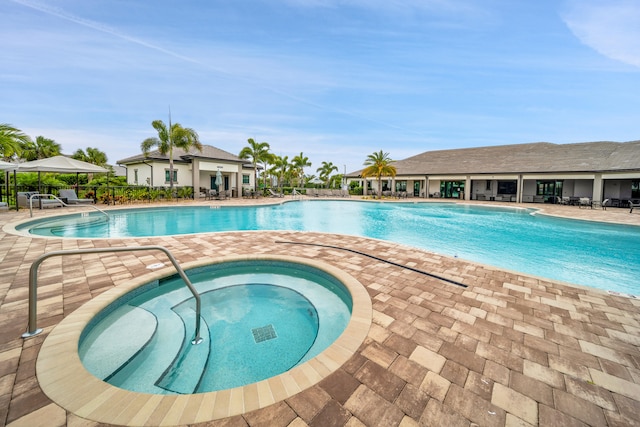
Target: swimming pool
{"x": 260, "y": 318}
{"x": 599, "y": 255}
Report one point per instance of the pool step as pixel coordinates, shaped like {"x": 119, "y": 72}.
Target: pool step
{"x": 155, "y": 356}
{"x": 171, "y": 363}
{"x": 184, "y": 374}
{"x": 109, "y": 346}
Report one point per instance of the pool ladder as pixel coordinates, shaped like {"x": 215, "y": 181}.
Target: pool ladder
{"x": 33, "y": 282}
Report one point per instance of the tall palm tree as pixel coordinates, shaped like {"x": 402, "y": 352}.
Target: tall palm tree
{"x": 173, "y": 136}
{"x": 257, "y": 152}
{"x": 325, "y": 171}
{"x": 378, "y": 165}
{"x": 41, "y": 148}
{"x": 300, "y": 162}
{"x": 92, "y": 155}
{"x": 11, "y": 141}
{"x": 282, "y": 169}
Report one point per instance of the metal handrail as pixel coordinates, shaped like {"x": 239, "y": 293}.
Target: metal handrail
{"x": 33, "y": 282}
{"x": 63, "y": 204}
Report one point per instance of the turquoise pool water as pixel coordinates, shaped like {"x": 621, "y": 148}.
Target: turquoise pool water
{"x": 259, "y": 319}
{"x": 600, "y": 255}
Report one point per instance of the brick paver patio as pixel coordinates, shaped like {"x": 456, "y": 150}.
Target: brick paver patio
{"x": 507, "y": 350}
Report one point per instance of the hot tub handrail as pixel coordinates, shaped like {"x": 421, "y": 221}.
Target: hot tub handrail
{"x": 33, "y": 282}
{"x": 63, "y": 204}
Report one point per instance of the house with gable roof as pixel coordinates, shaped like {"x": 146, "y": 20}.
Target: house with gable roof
{"x": 193, "y": 168}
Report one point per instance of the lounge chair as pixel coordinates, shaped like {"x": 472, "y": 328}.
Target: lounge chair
{"x": 72, "y": 198}
{"x": 633, "y": 205}
{"x": 4, "y": 206}
{"x": 37, "y": 201}
{"x": 274, "y": 194}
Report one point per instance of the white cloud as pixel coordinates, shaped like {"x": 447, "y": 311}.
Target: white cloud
{"x": 611, "y": 27}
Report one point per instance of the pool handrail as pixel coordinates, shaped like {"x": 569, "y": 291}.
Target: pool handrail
{"x": 58, "y": 199}
{"x": 33, "y": 329}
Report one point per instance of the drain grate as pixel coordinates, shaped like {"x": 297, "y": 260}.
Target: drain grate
{"x": 264, "y": 333}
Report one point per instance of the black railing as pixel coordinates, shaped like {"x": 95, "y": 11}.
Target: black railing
{"x": 103, "y": 194}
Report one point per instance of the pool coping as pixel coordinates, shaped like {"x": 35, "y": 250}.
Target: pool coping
{"x": 64, "y": 379}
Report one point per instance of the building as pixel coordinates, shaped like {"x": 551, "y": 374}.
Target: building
{"x": 539, "y": 172}
{"x": 211, "y": 168}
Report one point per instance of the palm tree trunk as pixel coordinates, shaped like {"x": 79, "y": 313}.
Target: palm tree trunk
{"x": 255, "y": 181}
{"x": 171, "y": 172}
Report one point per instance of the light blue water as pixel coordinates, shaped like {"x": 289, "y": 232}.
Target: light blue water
{"x": 600, "y": 255}
{"x": 259, "y": 319}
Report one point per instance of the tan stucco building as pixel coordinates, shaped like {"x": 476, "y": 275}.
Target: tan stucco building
{"x": 536, "y": 172}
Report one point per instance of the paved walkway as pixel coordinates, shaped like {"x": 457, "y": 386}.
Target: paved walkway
{"x": 507, "y": 350}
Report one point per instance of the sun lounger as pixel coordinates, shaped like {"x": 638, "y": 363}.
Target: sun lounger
{"x": 4, "y": 206}
{"x": 274, "y": 194}
{"x": 37, "y": 201}
{"x": 72, "y": 198}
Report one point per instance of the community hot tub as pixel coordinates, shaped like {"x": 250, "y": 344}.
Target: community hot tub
{"x": 271, "y": 327}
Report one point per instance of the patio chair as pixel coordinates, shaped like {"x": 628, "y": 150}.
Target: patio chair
{"x": 584, "y": 202}
{"x": 211, "y": 194}
{"x": 4, "y": 206}
{"x": 603, "y": 204}
{"x": 633, "y": 205}
{"x": 72, "y": 198}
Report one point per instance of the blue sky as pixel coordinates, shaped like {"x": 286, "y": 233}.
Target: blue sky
{"x": 335, "y": 79}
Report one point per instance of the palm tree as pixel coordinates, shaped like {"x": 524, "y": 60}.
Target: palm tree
{"x": 92, "y": 155}
{"x": 256, "y": 152}
{"x": 41, "y": 148}
{"x": 11, "y": 141}
{"x": 174, "y": 136}
{"x": 299, "y": 162}
{"x": 326, "y": 170}
{"x": 378, "y": 165}
{"x": 282, "y": 169}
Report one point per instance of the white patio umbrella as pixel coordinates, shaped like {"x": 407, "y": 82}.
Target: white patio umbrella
{"x": 218, "y": 179}
{"x": 6, "y": 166}
{"x": 60, "y": 164}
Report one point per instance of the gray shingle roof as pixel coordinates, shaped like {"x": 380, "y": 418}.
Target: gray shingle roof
{"x": 538, "y": 157}
{"x": 208, "y": 152}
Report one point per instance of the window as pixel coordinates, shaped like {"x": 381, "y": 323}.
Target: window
{"x": 167, "y": 175}
{"x": 135, "y": 176}
{"x": 245, "y": 179}
{"x": 488, "y": 187}
{"x": 549, "y": 188}
{"x": 507, "y": 187}
{"x": 635, "y": 189}
{"x": 401, "y": 185}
